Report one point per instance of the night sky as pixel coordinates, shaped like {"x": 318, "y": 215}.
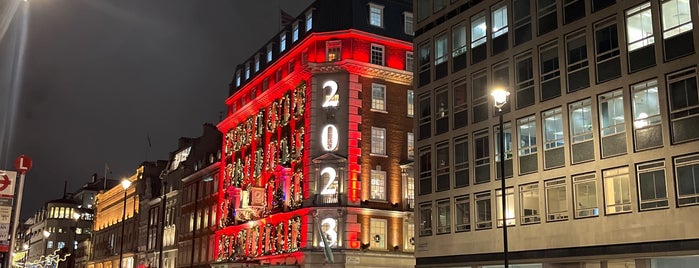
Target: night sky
{"x": 100, "y": 76}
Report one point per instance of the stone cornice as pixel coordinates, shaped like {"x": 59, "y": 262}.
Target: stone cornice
{"x": 364, "y": 69}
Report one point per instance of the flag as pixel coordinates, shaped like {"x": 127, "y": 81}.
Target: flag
{"x": 285, "y": 18}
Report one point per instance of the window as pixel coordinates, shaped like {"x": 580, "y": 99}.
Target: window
{"x": 585, "y": 196}
{"x": 652, "y": 189}
{"x": 378, "y": 185}
{"x": 607, "y": 51}
{"x": 375, "y": 15}
{"x": 378, "y": 97}
{"x": 639, "y": 37}
{"x": 524, "y": 81}
{"x": 409, "y": 61}
{"x": 577, "y": 65}
{"x": 598, "y": 5}
{"x": 443, "y": 166}
{"x": 426, "y": 219}
{"x": 237, "y": 79}
{"x": 439, "y": 4}
{"x": 409, "y": 238}
{"x": 378, "y": 233}
{"x": 440, "y": 56}
{"x": 333, "y": 50}
{"x": 612, "y": 126}
{"x": 282, "y": 42}
{"x": 410, "y": 186}
{"x": 459, "y": 46}
{"x": 378, "y": 141}
{"x": 309, "y": 20}
{"x": 425, "y": 117}
{"x": 425, "y": 171}
{"x": 459, "y": 96}
{"x": 687, "y": 176}
{"x": 60, "y": 244}
{"x": 529, "y": 201}
{"x": 424, "y": 9}
{"x": 509, "y": 208}
{"x": 573, "y": 10}
{"x": 49, "y": 244}
{"x": 550, "y": 72}
{"x": 461, "y": 168}
{"x": 478, "y": 38}
{"x": 408, "y": 23}
{"x": 581, "y": 131}
{"x": 526, "y": 130}
{"x": 507, "y": 131}
{"x": 483, "y": 209}
{"x": 677, "y": 28}
{"x": 257, "y": 63}
{"x": 480, "y": 97}
{"x": 646, "y": 115}
{"x": 376, "y": 54}
{"x": 523, "y": 23}
{"x": 499, "y": 34}
{"x": 683, "y": 96}
{"x": 441, "y": 98}
{"x": 269, "y": 53}
{"x": 463, "y": 214}
{"x": 443, "y": 217}
{"x": 424, "y": 53}
{"x": 410, "y": 103}
{"x": 411, "y": 145}
{"x": 617, "y": 190}
{"x": 556, "y": 200}
{"x": 295, "y": 32}
{"x": 482, "y": 156}
{"x": 546, "y": 14}
{"x": 553, "y": 138}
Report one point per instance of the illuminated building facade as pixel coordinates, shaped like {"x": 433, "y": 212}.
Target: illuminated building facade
{"x": 600, "y": 147}
{"x": 316, "y": 164}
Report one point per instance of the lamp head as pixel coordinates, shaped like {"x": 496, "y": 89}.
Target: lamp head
{"x": 500, "y": 97}
{"x": 25, "y": 246}
{"x": 46, "y": 233}
{"x": 76, "y": 216}
{"x": 125, "y": 183}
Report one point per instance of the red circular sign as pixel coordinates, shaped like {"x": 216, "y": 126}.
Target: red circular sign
{"x": 23, "y": 163}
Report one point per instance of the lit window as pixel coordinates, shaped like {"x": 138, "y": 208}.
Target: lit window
{"x": 409, "y": 239}
{"x": 463, "y": 213}
{"x": 484, "y": 219}
{"x": 646, "y": 115}
{"x": 611, "y": 109}
{"x": 282, "y": 42}
{"x": 509, "y": 209}
{"x": 440, "y": 49}
{"x": 639, "y": 27}
{"x": 333, "y": 50}
{"x": 478, "y": 28}
{"x": 269, "y": 53}
{"x": 617, "y": 190}
{"x": 580, "y": 121}
{"x": 378, "y": 97}
{"x": 237, "y": 79}
{"x": 375, "y": 15}
{"x": 677, "y": 17}
{"x": 309, "y": 20}
{"x": 443, "y": 216}
{"x": 425, "y": 219}
{"x": 556, "y": 200}
{"x": 411, "y": 145}
{"x": 378, "y": 233}
{"x": 409, "y": 61}
{"x": 527, "y": 135}
{"x": 49, "y": 244}
{"x": 553, "y": 138}
{"x": 458, "y": 39}
{"x": 410, "y": 103}
{"x": 60, "y": 244}
{"x": 687, "y": 176}
{"x": 408, "y": 23}
{"x": 585, "y": 196}
{"x": 295, "y": 32}
{"x": 257, "y": 63}
{"x": 378, "y": 141}
{"x": 529, "y": 201}
{"x": 247, "y": 71}
{"x": 377, "y": 54}
{"x": 410, "y": 186}
{"x": 652, "y": 188}
{"x": 499, "y": 21}
{"x": 378, "y": 185}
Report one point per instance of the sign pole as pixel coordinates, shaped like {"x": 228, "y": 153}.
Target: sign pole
{"x": 22, "y": 164}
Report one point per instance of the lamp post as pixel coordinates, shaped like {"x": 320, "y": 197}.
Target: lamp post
{"x": 500, "y": 96}
{"x": 125, "y": 183}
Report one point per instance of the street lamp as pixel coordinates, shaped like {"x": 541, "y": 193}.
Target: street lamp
{"x": 76, "y": 216}
{"x": 500, "y": 96}
{"x": 125, "y": 183}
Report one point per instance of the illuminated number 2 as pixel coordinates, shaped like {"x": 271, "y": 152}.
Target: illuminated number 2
{"x": 329, "y": 138}
{"x": 330, "y": 185}
{"x": 331, "y": 98}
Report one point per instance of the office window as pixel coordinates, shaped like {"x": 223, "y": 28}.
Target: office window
{"x": 439, "y": 5}
{"x": 577, "y": 64}
{"x": 483, "y": 210}
{"x": 440, "y": 57}
{"x": 585, "y": 195}
{"x": 612, "y": 126}
{"x": 378, "y": 185}
{"x": 546, "y": 15}
{"x": 677, "y": 29}
{"x": 282, "y": 42}
{"x": 460, "y": 95}
{"x": 652, "y": 188}
{"x": 617, "y": 190}
{"x": 459, "y": 46}
{"x": 410, "y": 145}
{"x": 463, "y": 213}
{"x": 269, "y": 53}
{"x": 378, "y": 97}
{"x": 480, "y": 97}
{"x": 257, "y": 63}
{"x": 646, "y": 115}
{"x": 443, "y": 167}
{"x": 375, "y": 15}
{"x": 687, "y": 179}
{"x": 683, "y": 97}
{"x": 425, "y": 219}
{"x": 424, "y": 9}
{"x": 529, "y": 202}
{"x": 552, "y": 121}
{"x": 461, "y": 167}
{"x": 639, "y": 37}
{"x": 295, "y": 32}
{"x": 425, "y": 171}
{"x": 409, "y": 61}
{"x": 378, "y": 141}
{"x": 441, "y": 99}
{"x": 410, "y": 103}
{"x": 556, "y": 200}
{"x": 509, "y": 208}
{"x": 607, "y": 51}
{"x": 507, "y": 131}
{"x": 424, "y": 53}
{"x": 573, "y": 10}
{"x": 409, "y": 237}
{"x": 60, "y": 244}
{"x": 333, "y": 50}
{"x": 523, "y": 21}
{"x": 478, "y": 38}
{"x": 443, "y": 217}
{"x": 425, "y": 121}
{"x": 309, "y": 20}
{"x": 377, "y": 54}
{"x": 550, "y": 72}
{"x": 408, "y": 23}
{"x": 378, "y": 233}
{"x": 500, "y": 27}
{"x": 598, "y": 5}
{"x": 524, "y": 77}
{"x": 526, "y": 130}
{"x": 581, "y": 131}
{"x": 482, "y": 156}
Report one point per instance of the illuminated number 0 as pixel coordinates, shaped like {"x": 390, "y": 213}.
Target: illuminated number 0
{"x": 331, "y": 98}
{"x": 331, "y": 179}
{"x": 329, "y": 138}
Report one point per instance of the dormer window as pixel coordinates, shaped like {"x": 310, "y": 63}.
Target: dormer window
{"x": 269, "y": 53}
{"x": 309, "y": 20}
{"x": 375, "y": 15}
{"x": 295, "y": 32}
{"x": 257, "y": 63}
{"x": 282, "y": 42}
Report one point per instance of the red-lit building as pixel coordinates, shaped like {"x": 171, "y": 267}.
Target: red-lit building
{"x": 317, "y": 146}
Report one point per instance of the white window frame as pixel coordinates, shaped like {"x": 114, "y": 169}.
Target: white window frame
{"x": 483, "y": 198}
{"x": 426, "y": 218}
{"x": 378, "y": 141}
{"x": 499, "y": 20}
{"x": 617, "y": 190}
{"x": 551, "y": 187}
{"x": 584, "y": 132}
{"x": 377, "y": 54}
{"x": 375, "y": 15}
{"x": 529, "y": 191}
{"x": 528, "y": 125}
{"x": 553, "y": 118}
{"x": 409, "y": 237}
{"x": 462, "y": 204}
{"x": 411, "y": 103}
{"x": 282, "y": 42}
{"x": 295, "y": 32}
{"x": 408, "y": 23}
{"x": 257, "y": 63}
{"x": 410, "y": 145}
{"x": 378, "y": 227}
{"x": 659, "y": 201}
{"x": 644, "y": 114}
{"x": 584, "y": 182}
{"x": 378, "y": 185}
{"x": 681, "y": 162}
{"x": 309, "y": 20}
{"x": 443, "y": 216}
{"x": 479, "y": 30}
{"x": 409, "y": 61}
{"x": 639, "y": 27}
{"x": 269, "y": 53}
{"x": 378, "y": 103}
{"x": 509, "y": 209}
{"x": 675, "y": 22}
{"x": 615, "y": 120}
{"x": 333, "y": 47}
{"x": 459, "y": 40}
{"x": 440, "y": 49}
{"x": 247, "y": 71}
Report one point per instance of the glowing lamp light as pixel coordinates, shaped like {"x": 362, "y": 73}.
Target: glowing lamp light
{"x": 125, "y": 183}
{"x": 76, "y": 216}
{"x": 46, "y": 233}
{"x": 500, "y": 96}
{"x": 25, "y": 246}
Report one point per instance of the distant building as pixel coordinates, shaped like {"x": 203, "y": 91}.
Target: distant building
{"x": 318, "y": 143}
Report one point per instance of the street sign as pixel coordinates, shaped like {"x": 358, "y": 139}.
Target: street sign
{"x": 23, "y": 163}
{"x": 7, "y": 183}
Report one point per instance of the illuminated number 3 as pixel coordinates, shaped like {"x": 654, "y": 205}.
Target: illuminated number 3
{"x": 331, "y": 98}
